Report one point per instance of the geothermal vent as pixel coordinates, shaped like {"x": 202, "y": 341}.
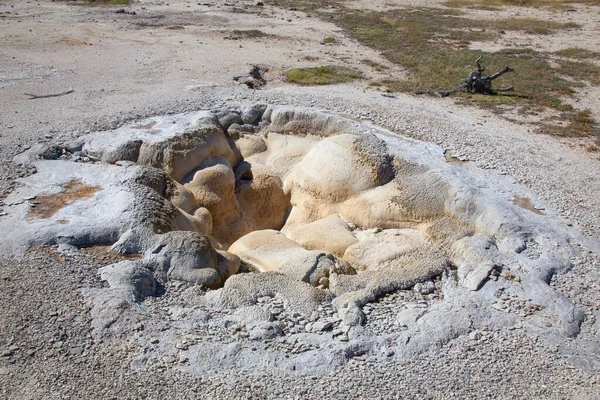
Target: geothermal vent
{"x": 243, "y": 205}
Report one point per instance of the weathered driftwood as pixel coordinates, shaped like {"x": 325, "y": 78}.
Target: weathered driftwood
{"x": 44, "y": 96}
{"x": 475, "y": 83}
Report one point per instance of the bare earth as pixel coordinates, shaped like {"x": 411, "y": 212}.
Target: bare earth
{"x": 160, "y": 58}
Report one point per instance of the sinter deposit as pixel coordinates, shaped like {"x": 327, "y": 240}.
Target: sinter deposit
{"x": 275, "y": 227}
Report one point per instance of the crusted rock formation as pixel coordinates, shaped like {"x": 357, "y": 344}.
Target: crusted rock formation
{"x": 317, "y": 208}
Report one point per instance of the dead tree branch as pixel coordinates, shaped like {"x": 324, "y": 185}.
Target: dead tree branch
{"x": 475, "y": 83}
{"x": 44, "y": 96}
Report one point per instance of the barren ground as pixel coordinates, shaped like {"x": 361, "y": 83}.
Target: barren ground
{"x": 159, "y": 58}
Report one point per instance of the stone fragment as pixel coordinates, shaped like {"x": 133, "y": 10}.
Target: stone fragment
{"x": 320, "y": 326}
{"x": 253, "y": 113}
{"x": 266, "y": 330}
{"x": 476, "y": 256}
{"x": 189, "y": 256}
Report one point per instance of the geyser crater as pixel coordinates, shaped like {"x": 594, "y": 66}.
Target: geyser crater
{"x": 329, "y": 211}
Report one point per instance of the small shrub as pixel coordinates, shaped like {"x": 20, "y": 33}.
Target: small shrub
{"x": 591, "y": 148}
{"x": 584, "y": 118}
{"x": 329, "y": 40}
{"x": 248, "y": 33}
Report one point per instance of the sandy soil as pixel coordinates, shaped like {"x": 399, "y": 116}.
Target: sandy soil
{"x": 158, "y": 58}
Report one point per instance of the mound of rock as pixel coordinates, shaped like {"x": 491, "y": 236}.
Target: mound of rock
{"x": 313, "y": 207}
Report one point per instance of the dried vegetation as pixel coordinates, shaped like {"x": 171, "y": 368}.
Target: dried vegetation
{"x": 433, "y": 46}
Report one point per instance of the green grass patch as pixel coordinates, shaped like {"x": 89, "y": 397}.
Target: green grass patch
{"x": 581, "y": 124}
{"x": 375, "y": 65}
{"x": 528, "y": 25}
{"x": 578, "y": 53}
{"x": 309, "y": 6}
{"x": 518, "y": 3}
{"x": 248, "y": 33}
{"x": 432, "y": 45}
{"x": 329, "y": 40}
{"x": 322, "y": 75}
{"x": 580, "y": 70}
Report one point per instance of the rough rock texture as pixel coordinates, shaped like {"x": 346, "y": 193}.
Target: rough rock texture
{"x": 331, "y": 234}
{"x": 260, "y": 194}
{"x": 85, "y": 204}
{"x": 270, "y": 250}
{"x": 362, "y": 213}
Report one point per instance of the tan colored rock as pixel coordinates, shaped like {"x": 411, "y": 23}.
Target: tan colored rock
{"x": 181, "y": 154}
{"x": 283, "y": 152}
{"x": 249, "y": 145}
{"x": 265, "y": 250}
{"x": 337, "y": 168}
{"x": 205, "y": 218}
{"x": 228, "y": 264}
{"x": 200, "y": 221}
{"x": 214, "y": 189}
{"x": 270, "y": 250}
{"x": 261, "y": 197}
{"x": 330, "y": 234}
{"x": 445, "y": 231}
{"x": 298, "y": 121}
{"x": 377, "y": 208}
{"x": 393, "y": 249}
{"x": 181, "y": 197}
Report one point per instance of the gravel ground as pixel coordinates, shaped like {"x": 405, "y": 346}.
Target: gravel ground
{"x": 48, "y": 352}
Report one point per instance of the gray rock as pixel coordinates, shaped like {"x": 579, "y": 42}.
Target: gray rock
{"x": 228, "y": 118}
{"x": 253, "y": 113}
{"x": 266, "y": 330}
{"x": 245, "y": 289}
{"x": 424, "y": 288}
{"x": 131, "y": 275}
{"x": 409, "y": 317}
{"x": 39, "y": 151}
{"x": 476, "y": 256}
{"x": 252, "y": 316}
{"x": 128, "y": 151}
{"x": 135, "y": 241}
{"x": 67, "y": 249}
{"x": 352, "y": 316}
{"x": 320, "y": 326}
{"x": 189, "y": 256}
{"x": 107, "y": 200}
